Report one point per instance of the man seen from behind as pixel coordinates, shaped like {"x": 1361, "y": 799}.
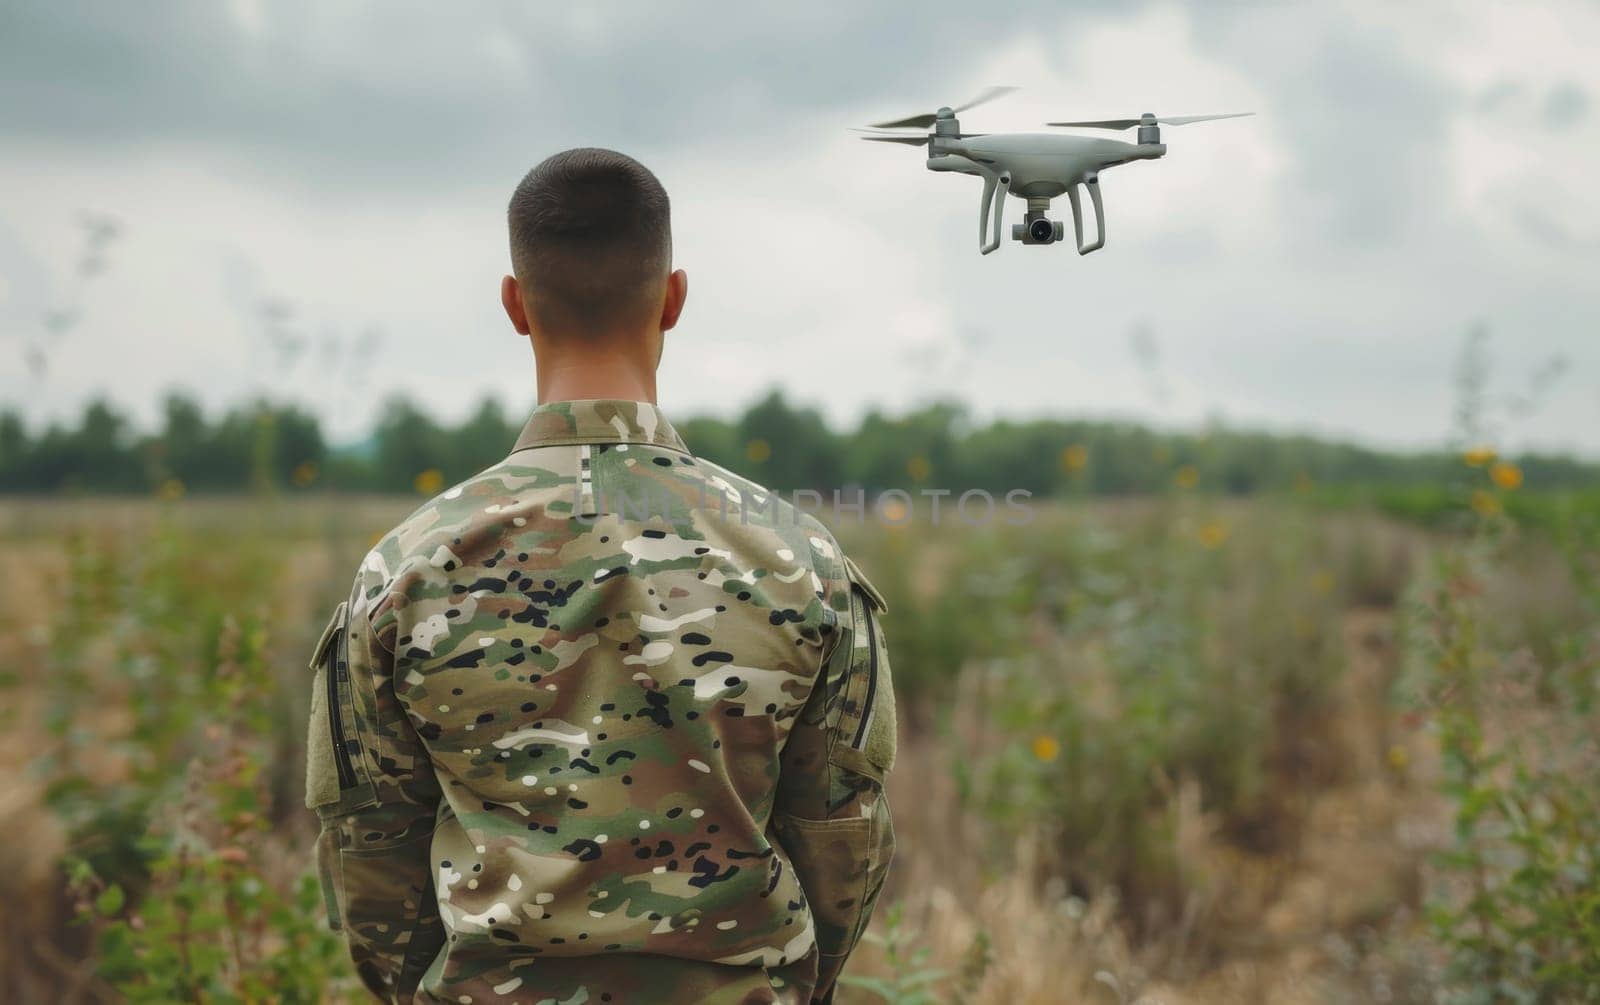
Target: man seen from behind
{"x": 604, "y": 722}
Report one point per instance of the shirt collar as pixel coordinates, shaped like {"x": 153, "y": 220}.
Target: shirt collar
{"x": 602, "y": 420}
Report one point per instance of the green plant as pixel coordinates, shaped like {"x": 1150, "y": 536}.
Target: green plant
{"x": 1517, "y": 905}
{"x": 164, "y": 763}
{"x": 911, "y": 981}
{"x": 213, "y": 924}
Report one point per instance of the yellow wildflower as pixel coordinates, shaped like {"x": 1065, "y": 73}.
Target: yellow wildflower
{"x": 918, "y": 468}
{"x": 1046, "y": 748}
{"x": 1214, "y": 534}
{"x": 1484, "y": 503}
{"x": 428, "y": 482}
{"x": 1075, "y": 458}
{"x": 1478, "y": 456}
{"x": 758, "y": 450}
{"x": 171, "y": 490}
{"x": 1187, "y": 477}
{"x": 304, "y": 474}
{"x": 1399, "y": 757}
{"x": 1506, "y": 475}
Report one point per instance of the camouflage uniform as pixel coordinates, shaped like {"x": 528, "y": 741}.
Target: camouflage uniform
{"x": 603, "y": 723}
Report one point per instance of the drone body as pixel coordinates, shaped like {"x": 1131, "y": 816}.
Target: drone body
{"x": 1033, "y": 166}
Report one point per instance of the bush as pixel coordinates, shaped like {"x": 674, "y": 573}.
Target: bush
{"x": 1517, "y": 904}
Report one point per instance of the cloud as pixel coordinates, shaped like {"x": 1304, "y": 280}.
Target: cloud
{"x": 1565, "y": 105}
{"x": 395, "y": 93}
{"x": 1411, "y": 169}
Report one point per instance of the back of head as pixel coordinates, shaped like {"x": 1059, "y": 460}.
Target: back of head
{"x": 591, "y": 241}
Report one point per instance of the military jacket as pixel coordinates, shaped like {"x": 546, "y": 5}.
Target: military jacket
{"x": 603, "y": 723}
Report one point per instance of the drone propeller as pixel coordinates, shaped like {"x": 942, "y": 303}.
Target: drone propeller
{"x": 1148, "y": 120}
{"x": 924, "y": 121}
{"x": 908, "y": 139}
{"x": 915, "y": 141}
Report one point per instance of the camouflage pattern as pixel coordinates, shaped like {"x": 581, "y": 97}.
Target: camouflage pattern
{"x": 603, "y": 723}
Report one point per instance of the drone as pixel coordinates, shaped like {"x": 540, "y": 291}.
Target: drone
{"x": 1033, "y": 166}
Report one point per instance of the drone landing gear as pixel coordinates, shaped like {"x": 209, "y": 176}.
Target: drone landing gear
{"x": 995, "y": 185}
{"x": 1036, "y": 227}
{"x": 1092, "y": 183}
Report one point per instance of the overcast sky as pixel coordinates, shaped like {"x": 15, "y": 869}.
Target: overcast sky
{"x": 312, "y": 196}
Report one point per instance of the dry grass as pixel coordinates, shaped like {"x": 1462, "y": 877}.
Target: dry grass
{"x": 1328, "y": 917}
{"x": 1300, "y": 926}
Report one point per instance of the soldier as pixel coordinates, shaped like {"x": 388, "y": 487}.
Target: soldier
{"x": 605, "y": 722}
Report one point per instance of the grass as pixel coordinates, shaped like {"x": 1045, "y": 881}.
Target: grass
{"x": 1174, "y": 750}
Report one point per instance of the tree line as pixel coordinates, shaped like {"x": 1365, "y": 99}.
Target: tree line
{"x": 266, "y": 447}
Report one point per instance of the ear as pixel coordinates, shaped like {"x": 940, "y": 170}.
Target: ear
{"x": 677, "y": 293}
{"x": 511, "y": 299}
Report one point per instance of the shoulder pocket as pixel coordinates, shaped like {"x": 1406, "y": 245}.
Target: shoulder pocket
{"x": 337, "y": 778}
{"x": 859, "y": 578}
{"x": 866, "y": 726}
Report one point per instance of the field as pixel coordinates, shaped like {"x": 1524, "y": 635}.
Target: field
{"x": 1180, "y": 750}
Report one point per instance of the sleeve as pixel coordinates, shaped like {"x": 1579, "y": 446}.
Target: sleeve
{"x": 831, "y": 814}
{"x": 372, "y": 785}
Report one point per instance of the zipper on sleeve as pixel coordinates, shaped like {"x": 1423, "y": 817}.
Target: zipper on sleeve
{"x": 338, "y": 673}
{"x": 872, "y": 679}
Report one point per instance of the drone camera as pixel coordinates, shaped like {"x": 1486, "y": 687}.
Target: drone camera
{"x": 1039, "y": 230}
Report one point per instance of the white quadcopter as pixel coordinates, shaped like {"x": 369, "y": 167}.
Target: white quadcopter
{"x": 1033, "y": 166}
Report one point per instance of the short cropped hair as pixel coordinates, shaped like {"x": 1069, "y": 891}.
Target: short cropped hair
{"x": 591, "y": 240}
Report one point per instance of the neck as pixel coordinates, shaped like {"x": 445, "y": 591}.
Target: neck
{"x": 595, "y": 377}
